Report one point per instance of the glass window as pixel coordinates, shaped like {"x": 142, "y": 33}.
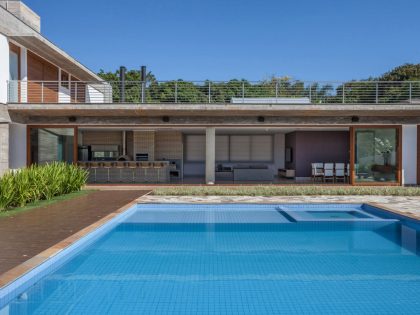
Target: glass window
{"x": 240, "y": 148}
{"x": 52, "y": 144}
{"x": 195, "y": 148}
{"x": 376, "y": 155}
{"x": 222, "y": 148}
{"x": 14, "y": 77}
{"x": 262, "y": 148}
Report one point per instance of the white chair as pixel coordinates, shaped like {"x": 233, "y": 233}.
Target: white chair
{"x": 340, "y": 173}
{"x": 348, "y": 172}
{"x": 317, "y": 171}
{"x": 329, "y": 172}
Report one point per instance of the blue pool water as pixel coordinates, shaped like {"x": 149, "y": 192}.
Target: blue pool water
{"x": 236, "y": 259}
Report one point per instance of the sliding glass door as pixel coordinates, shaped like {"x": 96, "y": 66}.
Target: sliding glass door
{"x": 376, "y": 155}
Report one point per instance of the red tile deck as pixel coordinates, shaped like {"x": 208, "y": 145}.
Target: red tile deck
{"x": 28, "y": 238}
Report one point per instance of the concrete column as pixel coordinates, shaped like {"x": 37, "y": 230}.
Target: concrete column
{"x": 17, "y": 146}
{"x": 409, "y": 154}
{"x": 210, "y": 155}
{"x": 4, "y": 148}
{"x": 4, "y": 67}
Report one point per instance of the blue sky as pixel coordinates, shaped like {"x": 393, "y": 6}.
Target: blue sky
{"x": 224, "y": 39}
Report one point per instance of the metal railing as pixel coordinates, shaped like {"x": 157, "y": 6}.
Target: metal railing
{"x": 216, "y": 92}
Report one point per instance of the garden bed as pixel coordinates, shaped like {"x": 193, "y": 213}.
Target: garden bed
{"x": 286, "y": 191}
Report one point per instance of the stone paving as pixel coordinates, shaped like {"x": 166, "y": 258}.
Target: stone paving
{"x": 409, "y": 206}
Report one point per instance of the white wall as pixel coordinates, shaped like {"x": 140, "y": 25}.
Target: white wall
{"x": 63, "y": 95}
{"x": 4, "y": 67}
{"x": 409, "y": 154}
{"x": 17, "y": 146}
{"x": 93, "y": 95}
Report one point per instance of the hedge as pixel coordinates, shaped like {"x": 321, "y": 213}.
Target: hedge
{"x": 39, "y": 182}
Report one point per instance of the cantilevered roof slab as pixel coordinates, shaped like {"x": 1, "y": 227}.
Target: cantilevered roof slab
{"x": 23, "y": 34}
{"x": 55, "y": 55}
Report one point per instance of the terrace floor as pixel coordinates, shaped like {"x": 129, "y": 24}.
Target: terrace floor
{"x": 26, "y": 234}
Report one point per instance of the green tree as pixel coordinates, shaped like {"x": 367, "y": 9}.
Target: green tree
{"x": 365, "y": 91}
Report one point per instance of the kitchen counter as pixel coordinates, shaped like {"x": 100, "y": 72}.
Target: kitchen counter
{"x": 127, "y": 171}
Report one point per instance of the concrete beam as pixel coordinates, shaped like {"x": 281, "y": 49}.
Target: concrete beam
{"x": 210, "y": 155}
{"x": 150, "y": 110}
{"x": 217, "y": 121}
{"x": 4, "y": 114}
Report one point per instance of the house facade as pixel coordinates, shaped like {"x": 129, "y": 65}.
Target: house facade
{"x": 53, "y": 108}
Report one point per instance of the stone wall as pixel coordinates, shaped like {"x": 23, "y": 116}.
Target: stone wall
{"x": 144, "y": 142}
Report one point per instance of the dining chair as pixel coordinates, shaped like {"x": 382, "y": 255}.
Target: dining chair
{"x": 317, "y": 171}
{"x": 329, "y": 172}
{"x": 340, "y": 173}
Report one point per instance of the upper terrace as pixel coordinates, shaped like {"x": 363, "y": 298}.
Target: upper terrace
{"x": 67, "y": 91}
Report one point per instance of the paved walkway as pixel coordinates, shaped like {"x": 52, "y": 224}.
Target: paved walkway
{"x": 406, "y": 205}
{"x": 28, "y": 233}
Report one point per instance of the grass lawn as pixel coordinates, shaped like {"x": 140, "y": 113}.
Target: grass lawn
{"x": 285, "y": 191}
{"x": 43, "y": 203}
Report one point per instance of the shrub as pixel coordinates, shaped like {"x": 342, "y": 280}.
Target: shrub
{"x": 273, "y": 190}
{"x": 39, "y": 182}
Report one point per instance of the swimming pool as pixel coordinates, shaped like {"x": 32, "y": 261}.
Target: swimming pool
{"x": 233, "y": 259}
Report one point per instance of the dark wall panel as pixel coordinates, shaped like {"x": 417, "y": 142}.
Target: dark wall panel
{"x": 317, "y": 146}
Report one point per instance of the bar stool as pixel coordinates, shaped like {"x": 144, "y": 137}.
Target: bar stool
{"x": 133, "y": 166}
{"x": 158, "y": 166}
{"x": 121, "y": 166}
{"x": 145, "y": 166}
{"x": 94, "y": 166}
{"x": 107, "y": 166}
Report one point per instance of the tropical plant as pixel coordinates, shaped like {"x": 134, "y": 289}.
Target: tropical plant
{"x": 39, "y": 182}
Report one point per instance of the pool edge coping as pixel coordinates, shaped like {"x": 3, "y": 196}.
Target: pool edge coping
{"x": 20, "y": 270}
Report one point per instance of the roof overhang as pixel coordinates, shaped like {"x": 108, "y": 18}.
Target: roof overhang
{"x": 45, "y": 49}
{"x": 26, "y": 36}
{"x": 222, "y": 110}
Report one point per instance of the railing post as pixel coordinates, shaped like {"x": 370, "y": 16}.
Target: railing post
{"x": 243, "y": 92}
{"x": 140, "y": 91}
{"x": 176, "y": 92}
{"x": 143, "y": 88}
{"x": 377, "y": 93}
{"x": 410, "y": 92}
{"x": 344, "y": 93}
{"x": 209, "y": 92}
{"x": 42, "y": 92}
{"x": 75, "y": 92}
{"x": 310, "y": 92}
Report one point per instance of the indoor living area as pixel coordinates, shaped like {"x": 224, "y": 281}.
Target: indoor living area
{"x": 224, "y": 155}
